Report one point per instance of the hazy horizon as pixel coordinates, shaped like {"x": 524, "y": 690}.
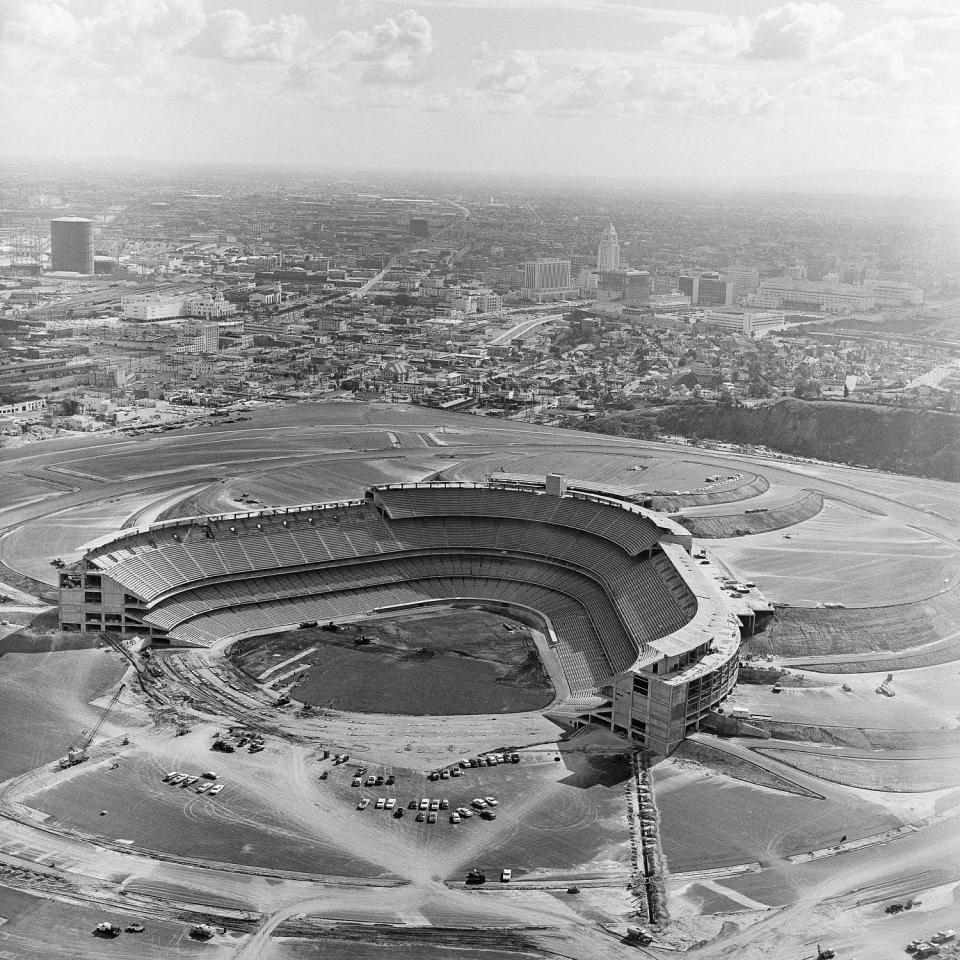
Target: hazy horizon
{"x": 732, "y": 91}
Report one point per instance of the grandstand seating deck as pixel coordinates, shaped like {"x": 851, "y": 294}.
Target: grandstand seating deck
{"x": 630, "y": 530}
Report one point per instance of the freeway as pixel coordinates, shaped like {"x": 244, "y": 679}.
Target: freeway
{"x": 524, "y": 327}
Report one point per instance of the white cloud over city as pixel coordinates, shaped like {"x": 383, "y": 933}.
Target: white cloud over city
{"x": 351, "y": 79}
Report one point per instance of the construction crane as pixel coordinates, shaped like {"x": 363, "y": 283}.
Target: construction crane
{"x": 78, "y": 750}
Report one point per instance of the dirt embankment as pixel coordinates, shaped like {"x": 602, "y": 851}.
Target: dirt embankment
{"x": 719, "y": 761}
{"x": 916, "y": 442}
{"x": 751, "y": 486}
{"x": 757, "y": 521}
{"x": 864, "y": 738}
{"x": 806, "y": 632}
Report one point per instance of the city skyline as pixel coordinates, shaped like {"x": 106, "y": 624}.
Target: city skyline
{"x": 718, "y": 91}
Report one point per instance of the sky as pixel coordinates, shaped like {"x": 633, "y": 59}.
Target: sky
{"x": 607, "y": 88}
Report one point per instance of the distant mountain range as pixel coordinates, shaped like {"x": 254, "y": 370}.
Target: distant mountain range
{"x": 861, "y": 182}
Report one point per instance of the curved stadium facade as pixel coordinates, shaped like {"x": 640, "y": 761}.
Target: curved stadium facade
{"x": 647, "y": 641}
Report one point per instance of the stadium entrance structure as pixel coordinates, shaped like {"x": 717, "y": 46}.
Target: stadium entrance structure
{"x": 648, "y": 643}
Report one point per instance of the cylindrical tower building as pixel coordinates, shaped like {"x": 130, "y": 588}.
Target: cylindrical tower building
{"x": 71, "y": 244}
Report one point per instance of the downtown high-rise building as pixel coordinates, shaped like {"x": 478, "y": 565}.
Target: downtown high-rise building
{"x": 608, "y": 251}
{"x": 547, "y": 273}
{"x": 547, "y": 278}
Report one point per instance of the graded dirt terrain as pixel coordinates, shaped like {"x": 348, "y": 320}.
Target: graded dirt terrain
{"x": 762, "y": 846}
{"x": 433, "y": 660}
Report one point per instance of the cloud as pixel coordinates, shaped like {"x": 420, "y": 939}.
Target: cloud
{"x": 696, "y": 93}
{"x": 141, "y": 32}
{"x": 729, "y": 37}
{"x": 793, "y": 31}
{"x": 395, "y": 51}
{"x": 47, "y": 26}
{"x": 591, "y": 87}
{"x": 230, "y": 35}
{"x": 920, "y": 8}
{"x": 515, "y": 74}
{"x": 888, "y": 57}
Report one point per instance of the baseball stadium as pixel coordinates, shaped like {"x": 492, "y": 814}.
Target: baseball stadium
{"x": 646, "y": 641}
{"x": 364, "y": 680}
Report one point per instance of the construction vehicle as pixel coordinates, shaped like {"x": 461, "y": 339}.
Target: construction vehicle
{"x": 105, "y": 929}
{"x": 827, "y": 954}
{"x": 476, "y": 876}
{"x": 77, "y": 752}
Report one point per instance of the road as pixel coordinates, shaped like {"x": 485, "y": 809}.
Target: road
{"x": 523, "y": 328}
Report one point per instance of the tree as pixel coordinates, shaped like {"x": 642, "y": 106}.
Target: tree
{"x": 759, "y": 389}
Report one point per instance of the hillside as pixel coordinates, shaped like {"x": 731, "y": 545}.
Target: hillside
{"x": 921, "y": 443}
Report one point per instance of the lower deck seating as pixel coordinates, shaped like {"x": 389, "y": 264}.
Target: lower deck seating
{"x": 572, "y": 603}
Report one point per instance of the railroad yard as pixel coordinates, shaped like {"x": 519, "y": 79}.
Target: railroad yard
{"x": 843, "y": 802}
